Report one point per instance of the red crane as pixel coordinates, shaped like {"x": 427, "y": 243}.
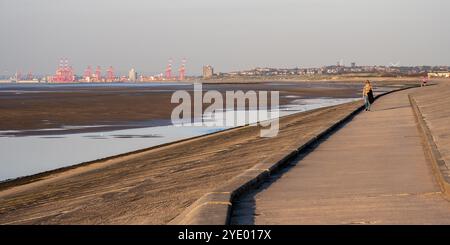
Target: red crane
{"x": 169, "y": 70}
{"x": 110, "y": 74}
{"x": 182, "y": 71}
{"x": 87, "y": 74}
{"x": 70, "y": 74}
{"x": 64, "y": 72}
{"x": 58, "y": 77}
{"x": 98, "y": 74}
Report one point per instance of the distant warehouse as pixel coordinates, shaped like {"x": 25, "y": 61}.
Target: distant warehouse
{"x": 439, "y": 74}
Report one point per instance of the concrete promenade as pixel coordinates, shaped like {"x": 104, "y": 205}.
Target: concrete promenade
{"x": 372, "y": 171}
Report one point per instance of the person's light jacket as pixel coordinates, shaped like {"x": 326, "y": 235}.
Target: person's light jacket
{"x": 366, "y": 89}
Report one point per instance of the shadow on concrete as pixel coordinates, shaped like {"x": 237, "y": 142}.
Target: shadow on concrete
{"x": 393, "y": 108}
{"x": 244, "y": 207}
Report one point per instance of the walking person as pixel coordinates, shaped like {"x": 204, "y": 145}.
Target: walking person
{"x": 424, "y": 81}
{"x": 368, "y": 95}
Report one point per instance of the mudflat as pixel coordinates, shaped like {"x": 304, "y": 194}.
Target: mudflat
{"x": 120, "y": 107}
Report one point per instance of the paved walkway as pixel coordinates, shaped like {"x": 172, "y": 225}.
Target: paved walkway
{"x": 372, "y": 171}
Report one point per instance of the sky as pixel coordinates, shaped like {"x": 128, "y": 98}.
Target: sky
{"x": 227, "y": 34}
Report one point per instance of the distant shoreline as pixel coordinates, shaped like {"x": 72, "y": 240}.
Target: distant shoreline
{"x": 257, "y": 79}
{"x": 315, "y": 79}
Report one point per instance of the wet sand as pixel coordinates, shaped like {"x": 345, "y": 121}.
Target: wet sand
{"x": 118, "y": 107}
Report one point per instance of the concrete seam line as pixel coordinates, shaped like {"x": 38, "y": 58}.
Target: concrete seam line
{"x": 199, "y": 204}
{"x": 259, "y": 169}
{"x": 255, "y": 181}
{"x": 432, "y": 150}
{"x": 216, "y": 203}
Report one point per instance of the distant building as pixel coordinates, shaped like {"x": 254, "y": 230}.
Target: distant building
{"x": 439, "y": 74}
{"x": 353, "y": 65}
{"x": 132, "y": 75}
{"x": 208, "y": 72}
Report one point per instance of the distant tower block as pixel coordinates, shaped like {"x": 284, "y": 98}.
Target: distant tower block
{"x": 132, "y": 75}
{"x": 208, "y": 72}
{"x": 98, "y": 74}
{"x": 110, "y": 74}
{"x": 182, "y": 71}
{"x": 169, "y": 70}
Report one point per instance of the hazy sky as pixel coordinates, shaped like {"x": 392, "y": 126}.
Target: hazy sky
{"x": 228, "y": 34}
